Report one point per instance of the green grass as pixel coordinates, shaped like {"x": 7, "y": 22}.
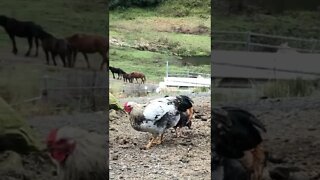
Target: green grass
{"x": 152, "y": 64}
{"x": 287, "y": 24}
{"x": 59, "y": 17}
{"x": 156, "y": 29}
{"x": 22, "y": 79}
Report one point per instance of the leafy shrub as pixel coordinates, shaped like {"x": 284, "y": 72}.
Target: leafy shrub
{"x": 289, "y": 88}
{"x": 136, "y": 3}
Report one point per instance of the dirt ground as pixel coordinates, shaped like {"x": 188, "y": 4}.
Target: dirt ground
{"x": 292, "y": 140}
{"x": 176, "y": 158}
{"x": 293, "y": 134}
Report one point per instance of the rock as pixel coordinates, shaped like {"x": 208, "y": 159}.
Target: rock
{"x": 298, "y": 176}
{"x": 115, "y": 157}
{"x": 11, "y": 165}
{"x": 184, "y": 160}
{"x": 197, "y": 116}
{"x": 15, "y": 133}
{"x": 279, "y": 173}
{"x": 277, "y": 159}
{"x": 204, "y": 119}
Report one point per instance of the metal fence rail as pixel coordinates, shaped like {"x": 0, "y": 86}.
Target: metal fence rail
{"x": 251, "y": 41}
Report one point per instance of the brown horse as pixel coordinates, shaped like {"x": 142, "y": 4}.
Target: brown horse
{"x": 137, "y": 75}
{"x": 25, "y": 29}
{"x": 127, "y": 77}
{"x": 56, "y": 46}
{"x": 86, "y": 43}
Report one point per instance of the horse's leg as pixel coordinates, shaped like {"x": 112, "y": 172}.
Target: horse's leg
{"x": 69, "y": 59}
{"x": 62, "y": 56}
{"x": 37, "y": 46}
{"x": 14, "y": 46}
{"x": 30, "y": 45}
{"x": 53, "y": 55}
{"x": 86, "y": 58}
{"x": 113, "y": 75}
{"x": 74, "y": 58}
{"x": 47, "y": 56}
{"x": 104, "y": 60}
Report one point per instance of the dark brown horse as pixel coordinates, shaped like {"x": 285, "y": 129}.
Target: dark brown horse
{"x": 127, "y": 78}
{"x": 55, "y": 47}
{"x": 25, "y": 29}
{"x": 86, "y": 43}
{"x": 137, "y": 75}
{"x": 118, "y": 71}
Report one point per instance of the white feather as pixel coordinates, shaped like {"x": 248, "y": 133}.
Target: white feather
{"x": 157, "y": 108}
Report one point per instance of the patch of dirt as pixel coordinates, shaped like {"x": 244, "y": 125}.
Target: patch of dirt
{"x": 175, "y": 158}
{"x": 293, "y": 133}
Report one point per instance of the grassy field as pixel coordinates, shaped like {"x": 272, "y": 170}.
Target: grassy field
{"x": 286, "y": 24}
{"x": 153, "y": 36}
{"x": 59, "y": 17}
{"x": 20, "y": 77}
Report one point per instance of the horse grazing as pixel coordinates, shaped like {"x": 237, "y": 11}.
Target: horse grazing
{"x": 86, "y": 43}
{"x": 25, "y": 29}
{"x": 55, "y": 46}
{"x": 137, "y": 75}
{"x": 118, "y": 71}
{"x": 127, "y": 77}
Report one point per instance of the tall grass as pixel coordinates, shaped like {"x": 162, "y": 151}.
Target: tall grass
{"x": 288, "y": 88}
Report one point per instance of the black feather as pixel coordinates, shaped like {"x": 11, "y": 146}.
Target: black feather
{"x": 184, "y": 103}
{"x": 235, "y": 131}
{"x": 184, "y": 121}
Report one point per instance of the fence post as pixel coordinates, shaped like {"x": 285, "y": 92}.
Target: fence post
{"x": 92, "y": 90}
{"x": 167, "y": 69}
{"x": 248, "y": 40}
{"x": 314, "y": 43}
{"x": 44, "y": 92}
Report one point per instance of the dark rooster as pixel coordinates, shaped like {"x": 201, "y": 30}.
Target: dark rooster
{"x": 81, "y": 155}
{"x": 157, "y": 116}
{"x": 236, "y": 138}
{"x": 185, "y": 120}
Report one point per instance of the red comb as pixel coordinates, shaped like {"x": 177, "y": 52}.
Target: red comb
{"x": 52, "y": 136}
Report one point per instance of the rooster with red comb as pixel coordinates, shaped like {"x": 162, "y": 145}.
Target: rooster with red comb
{"x": 157, "y": 115}
{"x": 81, "y": 155}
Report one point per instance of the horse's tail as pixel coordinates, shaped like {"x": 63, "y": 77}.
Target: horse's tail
{"x": 144, "y": 78}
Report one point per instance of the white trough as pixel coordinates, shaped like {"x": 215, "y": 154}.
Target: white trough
{"x": 185, "y": 82}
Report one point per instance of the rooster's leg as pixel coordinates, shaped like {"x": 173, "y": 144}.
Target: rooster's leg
{"x": 162, "y": 138}
{"x": 177, "y": 135}
{"x": 148, "y": 146}
{"x": 159, "y": 139}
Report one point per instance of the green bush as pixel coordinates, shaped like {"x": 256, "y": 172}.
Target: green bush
{"x": 130, "y": 3}
{"x": 181, "y": 8}
{"x": 288, "y": 88}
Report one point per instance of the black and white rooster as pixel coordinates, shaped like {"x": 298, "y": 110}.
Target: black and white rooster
{"x": 237, "y": 150}
{"x": 81, "y": 155}
{"x": 157, "y": 116}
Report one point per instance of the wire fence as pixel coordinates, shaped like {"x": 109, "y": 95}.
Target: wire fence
{"x": 250, "y": 41}
{"x": 80, "y": 91}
